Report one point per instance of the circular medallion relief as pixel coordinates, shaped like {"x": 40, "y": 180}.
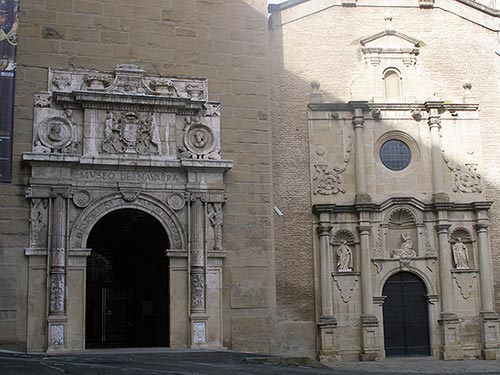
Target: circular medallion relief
{"x": 395, "y": 155}
{"x": 82, "y": 198}
{"x": 176, "y": 201}
{"x": 55, "y": 132}
{"x": 199, "y": 139}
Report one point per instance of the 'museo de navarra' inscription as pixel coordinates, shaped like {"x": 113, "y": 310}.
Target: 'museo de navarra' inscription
{"x": 103, "y": 175}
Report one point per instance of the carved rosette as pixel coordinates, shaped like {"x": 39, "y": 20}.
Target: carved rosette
{"x": 82, "y": 198}
{"x": 176, "y": 201}
{"x": 199, "y": 141}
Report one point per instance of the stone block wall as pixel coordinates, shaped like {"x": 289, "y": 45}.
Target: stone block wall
{"x": 223, "y": 41}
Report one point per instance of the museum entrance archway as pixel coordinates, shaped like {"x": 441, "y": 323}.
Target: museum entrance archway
{"x": 127, "y": 301}
{"x": 406, "y": 321}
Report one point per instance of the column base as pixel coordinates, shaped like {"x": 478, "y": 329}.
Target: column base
{"x": 490, "y": 335}
{"x": 451, "y": 346}
{"x": 56, "y": 333}
{"x": 199, "y": 331}
{"x": 371, "y": 339}
{"x": 329, "y": 343}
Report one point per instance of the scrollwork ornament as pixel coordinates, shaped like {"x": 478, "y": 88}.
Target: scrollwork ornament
{"x": 42, "y": 100}
{"x": 327, "y": 181}
{"x": 466, "y": 179}
{"x": 82, "y": 198}
{"x": 57, "y": 293}
{"x": 197, "y": 290}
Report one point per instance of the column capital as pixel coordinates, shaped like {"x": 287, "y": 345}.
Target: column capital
{"x": 324, "y": 229}
{"x": 442, "y": 228}
{"x": 481, "y": 227}
{"x": 364, "y": 229}
{"x": 63, "y": 191}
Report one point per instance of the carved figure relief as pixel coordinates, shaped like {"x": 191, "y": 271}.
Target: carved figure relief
{"x": 56, "y": 134}
{"x": 131, "y": 132}
{"x": 198, "y": 141}
{"x": 460, "y": 254}
{"x": 38, "y": 222}
{"x": 216, "y": 218}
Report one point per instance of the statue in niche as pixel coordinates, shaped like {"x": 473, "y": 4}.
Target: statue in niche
{"x": 406, "y": 250}
{"x": 460, "y": 255}
{"x": 344, "y": 257}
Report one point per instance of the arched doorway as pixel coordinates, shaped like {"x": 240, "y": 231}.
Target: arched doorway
{"x": 127, "y": 281}
{"x": 406, "y": 321}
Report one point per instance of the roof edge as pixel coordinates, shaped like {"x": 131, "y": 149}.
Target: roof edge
{"x": 272, "y": 8}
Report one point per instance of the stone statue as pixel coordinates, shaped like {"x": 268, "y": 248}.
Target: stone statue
{"x": 460, "y": 255}
{"x": 216, "y": 220}
{"x": 406, "y": 250}
{"x": 154, "y": 133}
{"x": 344, "y": 257}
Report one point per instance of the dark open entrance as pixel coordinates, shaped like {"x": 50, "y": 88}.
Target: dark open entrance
{"x": 406, "y": 322}
{"x": 127, "y": 282}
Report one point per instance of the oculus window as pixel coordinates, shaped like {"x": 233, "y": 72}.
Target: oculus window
{"x": 395, "y": 155}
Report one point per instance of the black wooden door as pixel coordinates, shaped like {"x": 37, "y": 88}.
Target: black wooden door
{"x": 406, "y": 322}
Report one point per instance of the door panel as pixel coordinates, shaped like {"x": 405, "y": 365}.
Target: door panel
{"x": 406, "y": 323}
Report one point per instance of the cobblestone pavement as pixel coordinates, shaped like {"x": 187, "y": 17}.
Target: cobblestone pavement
{"x": 184, "y": 362}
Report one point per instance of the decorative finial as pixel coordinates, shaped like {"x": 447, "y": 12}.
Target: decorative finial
{"x": 316, "y": 96}
{"x": 388, "y": 20}
{"x": 468, "y": 96}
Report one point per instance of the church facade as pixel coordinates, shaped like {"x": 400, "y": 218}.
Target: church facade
{"x": 316, "y": 178}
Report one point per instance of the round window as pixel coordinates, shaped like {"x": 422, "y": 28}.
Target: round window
{"x": 395, "y": 155}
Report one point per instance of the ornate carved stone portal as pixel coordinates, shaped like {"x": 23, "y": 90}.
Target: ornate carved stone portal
{"x": 103, "y": 141}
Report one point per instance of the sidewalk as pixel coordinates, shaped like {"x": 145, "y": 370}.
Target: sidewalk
{"x": 164, "y": 361}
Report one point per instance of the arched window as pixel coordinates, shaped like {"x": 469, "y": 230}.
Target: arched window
{"x": 392, "y": 85}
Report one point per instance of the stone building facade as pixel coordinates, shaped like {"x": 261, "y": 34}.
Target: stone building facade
{"x": 198, "y": 173}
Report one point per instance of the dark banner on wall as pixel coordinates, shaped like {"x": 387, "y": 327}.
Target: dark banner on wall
{"x": 9, "y": 10}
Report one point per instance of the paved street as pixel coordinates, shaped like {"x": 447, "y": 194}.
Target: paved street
{"x": 183, "y": 362}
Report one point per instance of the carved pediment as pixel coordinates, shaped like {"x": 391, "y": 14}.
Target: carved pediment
{"x": 391, "y": 40}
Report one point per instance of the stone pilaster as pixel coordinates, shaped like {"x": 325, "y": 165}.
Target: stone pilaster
{"x": 490, "y": 330}
{"x": 370, "y": 325}
{"x": 57, "y": 318}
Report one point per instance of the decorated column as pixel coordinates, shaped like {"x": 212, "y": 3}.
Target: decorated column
{"x": 57, "y": 270}
{"x": 370, "y": 324}
{"x": 450, "y": 348}
{"x": 358, "y": 121}
{"x": 434, "y": 122}
{"x": 489, "y": 318}
{"x": 197, "y": 270}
